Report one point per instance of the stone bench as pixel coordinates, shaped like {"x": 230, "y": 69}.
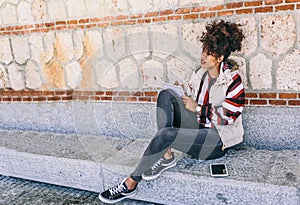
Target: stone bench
{"x": 95, "y": 163}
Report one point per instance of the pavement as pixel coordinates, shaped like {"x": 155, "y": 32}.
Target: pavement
{"x": 16, "y": 191}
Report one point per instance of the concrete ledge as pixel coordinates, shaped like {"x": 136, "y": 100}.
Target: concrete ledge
{"x": 97, "y": 162}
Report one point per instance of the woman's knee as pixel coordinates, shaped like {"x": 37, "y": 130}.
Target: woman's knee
{"x": 163, "y": 138}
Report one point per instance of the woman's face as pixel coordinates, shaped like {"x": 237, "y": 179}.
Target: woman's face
{"x": 209, "y": 61}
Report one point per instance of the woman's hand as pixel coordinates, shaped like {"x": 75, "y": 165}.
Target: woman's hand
{"x": 189, "y": 103}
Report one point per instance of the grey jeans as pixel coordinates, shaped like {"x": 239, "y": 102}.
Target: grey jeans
{"x": 178, "y": 129}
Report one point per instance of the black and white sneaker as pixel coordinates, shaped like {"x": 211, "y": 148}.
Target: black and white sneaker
{"x": 116, "y": 193}
{"x": 161, "y": 165}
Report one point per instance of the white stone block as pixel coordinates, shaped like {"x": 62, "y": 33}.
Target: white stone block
{"x": 39, "y": 10}
{"x": 98, "y": 8}
{"x": 140, "y": 6}
{"x": 164, "y": 4}
{"x": 9, "y": 14}
{"x": 64, "y": 46}
{"x": 152, "y": 74}
{"x": 78, "y": 36}
{"x": 114, "y": 43}
{"x": 261, "y": 72}
{"x": 73, "y": 74}
{"x": 164, "y": 38}
{"x": 24, "y": 13}
{"x": 178, "y": 71}
{"x": 16, "y": 76}
{"x": 57, "y": 10}
{"x": 33, "y": 76}
{"x": 3, "y": 77}
{"x": 129, "y": 76}
{"x": 278, "y": 33}
{"x": 93, "y": 43}
{"x": 191, "y": 34}
{"x": 20, "y": 47}
{"x": 288, "y": 73}
{"x": 249, "y": 27}
{"x": 242, "y": 69}
{"x": 106, "y": 74}
{"x": 5, "y": 51}
{"x": 76, "y": 9}
{"x": 138, "y": 40}
{"x": 48, "y": 40}
{"x": 36, "y": 48}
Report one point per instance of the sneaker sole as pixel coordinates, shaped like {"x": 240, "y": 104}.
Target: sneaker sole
{"x": 159, "y": 173}
{"x": 105, "y": 200}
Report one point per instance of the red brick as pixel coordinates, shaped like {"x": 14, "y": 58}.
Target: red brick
{"x": 91, "y": 25}
{"x": 159, "y": 19}
{"x": 97, "y": 98}
{"x": 95, "y": 19}
{"x": 36, "y": 93}
{"x": 291, "y": 1}
{"x": 294, "y": 102}
{"x": 99, "y": 93}
{"x": 119, "y": 98}
{"x": 208, "y": 15}
{"x": 138, "y": 94}
{"x": 284, "y": 8}
{"x": 234, "y": 5}
{"x": 16, "y": 99}
{"x": 277, "y": 102}
{"x": 271, "y": 2}
{"x": 166, "y": 12}
{"x": 108, "y": 18}
{"x": 136, "y": 16}
{"x": 61, "y": 23}
{"x": 66, "y": 98}
{"x": 88, "y": 93}
{"x": 27, "y": 99}
{"x": 48, "y": 92}
{"x": 106, "y": 98}
{"x": 251, "y": 95}
{"x": 198, "y": 9}
{"x": 151, "y": 14}
{"x": 122, "y": 17}
{"x": 288, "y": 95}
{"x": 130, "y": 22}
{"x": 39, "y": 99}
{"x": 244, "y": 11}
{"x": 258, "y": 102}
{"x": 103, "y": 25}
{"x": 267, "y": 95}
{"x": 298, "y": 6}
{"x": 263, "y": 9}
{"x": 252, "y": 3}
{"x": 131, "y": 99}
{"x": 214, "y": 8}
{"x": 77, "y": 92}
{"x": 183, "y": 11}
{"x": 190, "y": 16}
{"x": 51, "y": 24}
{"x": 117, "y": 23}
{"x": 153, "y": 93}
{"x": 142, "y": 21}
{"x": 124, "y": 93}
{"x": 225, "y": 13}
{"x": 111, "y": 93}
{"x": 6, "y": 99}
{"x": 84, "y": 20}
{"x": 54, "y": 98}
{"x": 144, "y": 99}
{"x": 174, "y": 18}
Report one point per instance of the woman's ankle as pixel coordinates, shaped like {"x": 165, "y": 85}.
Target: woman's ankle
{"x": 130, "y": 183}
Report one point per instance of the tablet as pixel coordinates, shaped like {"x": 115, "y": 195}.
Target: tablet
{"x": 177, "y": 89}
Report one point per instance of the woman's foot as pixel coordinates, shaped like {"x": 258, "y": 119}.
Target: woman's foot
{"x": 161, "y": 165}
{"x": 119, "y": 192}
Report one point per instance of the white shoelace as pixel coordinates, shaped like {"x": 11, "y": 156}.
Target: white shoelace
{"x": 157, "y": 164}
{"x": 117, "y": 189}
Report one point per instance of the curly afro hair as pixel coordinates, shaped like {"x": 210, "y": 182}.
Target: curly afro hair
{"x": 222, "y": 38}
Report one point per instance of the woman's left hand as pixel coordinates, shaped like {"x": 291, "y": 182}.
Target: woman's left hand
{"x": 189, "y": 103}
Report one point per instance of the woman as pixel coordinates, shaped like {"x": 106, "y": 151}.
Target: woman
{"x": 205, "y": 122}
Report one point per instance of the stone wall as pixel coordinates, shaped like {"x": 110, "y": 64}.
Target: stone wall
{"x": 120, "y": 51}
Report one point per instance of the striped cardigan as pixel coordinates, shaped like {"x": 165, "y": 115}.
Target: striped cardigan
{"x": 222, "y": 104}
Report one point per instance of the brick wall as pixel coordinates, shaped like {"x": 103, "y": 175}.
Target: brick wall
{"x": 123, "y": 50}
